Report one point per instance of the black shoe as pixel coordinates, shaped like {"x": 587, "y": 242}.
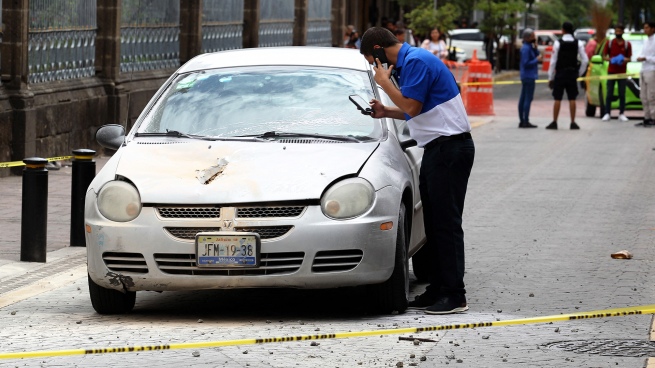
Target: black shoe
{"x": 422, "y": 301}
{"x": 649, "y": 123}
{"x": 574, "y": 126}
{"x": 448, "y": 305}
{"x": 526, "y": 125}
{"x": 552, "y": 125}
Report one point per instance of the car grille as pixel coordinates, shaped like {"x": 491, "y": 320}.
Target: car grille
{"x": 336, "y": 260}
{"x": 265, "y": 232}
{"x": 270, "y": 264}
{"x": 189, "y": 212}
{"x": 263, "y": 212}
{"x": 125, "y": 262}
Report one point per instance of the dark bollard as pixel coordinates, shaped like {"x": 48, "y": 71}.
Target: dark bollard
{"x": 34, "y": 216}
{"x": 84, "y": 170}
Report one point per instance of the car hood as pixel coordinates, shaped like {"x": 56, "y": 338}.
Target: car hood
{"x": 196, "y": 172}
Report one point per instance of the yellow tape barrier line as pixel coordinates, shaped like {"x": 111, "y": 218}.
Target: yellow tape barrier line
{"x": 617, "y": 312}
{"x": 21, "y": 163}
{"x": 608, "y": 77}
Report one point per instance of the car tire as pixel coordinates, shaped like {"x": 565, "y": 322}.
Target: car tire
{"x": 590, "y": 111}
{"x": 110, "y": 301}
{"x": 392, "y": 295}
{"x": 421, "y": 264}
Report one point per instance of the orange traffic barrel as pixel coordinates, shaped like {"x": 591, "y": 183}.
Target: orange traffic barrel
{"x": 477, "y": 88}
{"x": 548, "y": 53}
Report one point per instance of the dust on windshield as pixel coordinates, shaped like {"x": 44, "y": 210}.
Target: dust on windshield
{"x": 249, "y": 101}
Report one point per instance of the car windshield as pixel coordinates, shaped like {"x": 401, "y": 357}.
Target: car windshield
{"x": 251, "y": 101}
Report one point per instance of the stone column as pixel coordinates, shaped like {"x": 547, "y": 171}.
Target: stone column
{"x": 14, "y": 51}
{"x": 190, "y": 29}
{"x": 108, "y": 58}
{"x": 250, "y": 23}
{"x": 300, "y": 23}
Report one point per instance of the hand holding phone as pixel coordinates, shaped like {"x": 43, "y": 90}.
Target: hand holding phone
{"x": 361, "y": 104}
{"x": 379, "y": 54}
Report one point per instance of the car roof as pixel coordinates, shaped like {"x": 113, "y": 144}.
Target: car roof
{"x": 290, "y": 55}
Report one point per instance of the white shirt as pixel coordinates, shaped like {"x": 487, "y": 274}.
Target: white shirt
{"x": 648, "y": 51}
{"x": 584, "y": 60}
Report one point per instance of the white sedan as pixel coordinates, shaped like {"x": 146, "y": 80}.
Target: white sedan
{"x": 251, "y": 168}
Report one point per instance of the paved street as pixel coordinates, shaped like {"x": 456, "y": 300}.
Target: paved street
{"x": 544, "y": 211}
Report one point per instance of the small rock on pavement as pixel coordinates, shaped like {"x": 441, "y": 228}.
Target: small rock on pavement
{"x": 200, "y": 321}
{"x": 423, "y": 358}
{"x": 412, "y": 356}
{"x": 195, "y": 354}
{"x": 416, "y": 342}
{"x": 13, "y": 313}
{"x": 531, "y": 295}
{"x": 314, "y": 343}
{"x": 557, "y": 329}
{"x": 399, "y": 364}
{"x": 485, "y": 337}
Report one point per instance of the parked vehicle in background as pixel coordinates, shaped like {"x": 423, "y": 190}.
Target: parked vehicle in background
{"x": 546, "y": 38}
{"x": 468, "y": 39}
{"x": 597, "y": 89}
{"x": 584, "y": 34}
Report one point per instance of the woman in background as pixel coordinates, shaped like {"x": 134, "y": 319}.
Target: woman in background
{"x": 436, "y": 44}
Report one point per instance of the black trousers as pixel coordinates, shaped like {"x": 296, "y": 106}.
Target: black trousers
{"x": 443, "y": 179}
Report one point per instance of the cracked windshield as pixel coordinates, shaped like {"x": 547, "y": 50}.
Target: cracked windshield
{"x": 255, "y": 100}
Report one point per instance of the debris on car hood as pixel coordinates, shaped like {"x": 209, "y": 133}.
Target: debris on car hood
{"x": 237, "y": 172}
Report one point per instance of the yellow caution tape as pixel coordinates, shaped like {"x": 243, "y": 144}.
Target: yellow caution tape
{"x": 606, "y": 77}
{"x": 628, "y": 311}
{"x": 21, "y": 163}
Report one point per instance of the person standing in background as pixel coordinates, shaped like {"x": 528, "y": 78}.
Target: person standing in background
{"x": 529, "y": 66}
{"x": 618, "y": 52}
{"x": 564, "y": 71}
{"x": 647, "y": 75}
{"x": 436, "y": 45}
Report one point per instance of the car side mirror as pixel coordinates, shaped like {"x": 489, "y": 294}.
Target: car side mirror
{"x": 596, "y": 59}
{"x": 111, "y": 136}
{"x": 405, "y": 139}
{"x": 406, "y": 143}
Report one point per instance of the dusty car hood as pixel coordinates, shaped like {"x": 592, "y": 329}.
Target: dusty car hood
{"x": 195, "y": 172}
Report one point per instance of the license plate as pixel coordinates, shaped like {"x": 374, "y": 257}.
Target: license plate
{"x": 227, "y": 249}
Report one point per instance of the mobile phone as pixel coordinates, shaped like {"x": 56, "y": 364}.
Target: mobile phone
{"x": 361, "y": 103}
{"x": 382, "y": 56}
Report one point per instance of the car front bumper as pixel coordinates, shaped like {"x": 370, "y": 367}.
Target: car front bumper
{"x": 308, "y": 250}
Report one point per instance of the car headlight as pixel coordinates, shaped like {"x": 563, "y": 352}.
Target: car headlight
{"x": 348, "y": 198}
{"x": 119, "y": 201}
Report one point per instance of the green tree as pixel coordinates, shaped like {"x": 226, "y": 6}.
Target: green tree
{"x": 424, "y": 18}
{"x": 555, "y": 12}
{"x": 500, "y": 19}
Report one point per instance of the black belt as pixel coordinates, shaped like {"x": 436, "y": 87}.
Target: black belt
{"x": 446, "y": 138}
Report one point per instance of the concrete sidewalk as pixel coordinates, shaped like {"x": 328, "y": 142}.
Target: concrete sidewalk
{"x": 59, "y": 211}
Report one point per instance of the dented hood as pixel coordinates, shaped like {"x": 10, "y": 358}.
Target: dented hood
{"x": 196, "y": 172}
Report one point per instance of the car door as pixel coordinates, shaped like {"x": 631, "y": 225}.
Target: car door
{"x": 414, "y": 156}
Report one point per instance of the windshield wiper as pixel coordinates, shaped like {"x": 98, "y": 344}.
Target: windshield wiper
{"x": 273, "y": 134}
{"x": 171, "y": 133}
{"x": 177, "y": 134}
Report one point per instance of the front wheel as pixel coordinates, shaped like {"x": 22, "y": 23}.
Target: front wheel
{"x": 392, "y": 295}
{"x": 110, "y": 301}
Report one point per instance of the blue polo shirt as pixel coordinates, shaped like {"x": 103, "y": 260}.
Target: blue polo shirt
{"x": 425, "y": 78}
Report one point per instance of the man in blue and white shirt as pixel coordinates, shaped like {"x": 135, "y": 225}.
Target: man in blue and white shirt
{"x": 429, "y": 99}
